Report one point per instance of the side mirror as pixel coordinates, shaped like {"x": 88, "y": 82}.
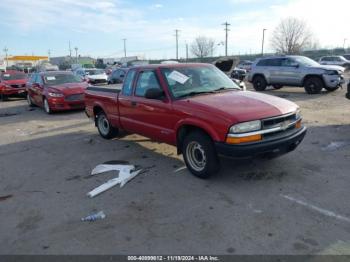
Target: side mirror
{"x": 296, "y": 65}
{"x": 122, "y": 76}
{"x": 154, "y": 93}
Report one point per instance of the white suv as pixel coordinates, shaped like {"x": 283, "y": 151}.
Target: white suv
{"x": 335, "y": 60}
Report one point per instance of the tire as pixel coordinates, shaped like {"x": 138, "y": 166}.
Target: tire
{"x": 4, "y": 98}
{"x": 277, "y": 87}
{"x": 47, "y": 108}
{"x": 259, "y": 83}
{"x": 313, "y": 85}
{"x": 29, "y": 100}
{"x": 200, "y": 155}
{"x": 106, "y": 130}
{"x": 347, "y": 95}
{"x": 331, "y": 89}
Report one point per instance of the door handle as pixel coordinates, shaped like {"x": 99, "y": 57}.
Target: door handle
{"x": 133, "y": 103}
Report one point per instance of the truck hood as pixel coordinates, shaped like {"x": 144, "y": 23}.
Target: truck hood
{"x": 239, "y": 106}
{"x": 71, "y": 89}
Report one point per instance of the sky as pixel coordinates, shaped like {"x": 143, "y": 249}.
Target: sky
{"x": 97, "y": 28}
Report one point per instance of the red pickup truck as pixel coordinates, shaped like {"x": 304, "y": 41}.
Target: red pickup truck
{"x": 198, "y": 109}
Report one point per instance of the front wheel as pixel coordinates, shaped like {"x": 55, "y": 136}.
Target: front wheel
{"x": 259, "y": 83}
{"x": 29, "y": 100}
{"x": 200, "y": 155}
{"x": 313, "y": 85}
{"x": 106, "y": 130}
{"x": 47, "y": 107}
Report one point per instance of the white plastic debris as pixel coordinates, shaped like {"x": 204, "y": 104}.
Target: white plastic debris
{"x": 98, "y": 216}
{"x": 126, "y": 174}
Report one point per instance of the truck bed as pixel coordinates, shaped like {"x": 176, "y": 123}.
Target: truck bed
{"x": 106, "y": 88}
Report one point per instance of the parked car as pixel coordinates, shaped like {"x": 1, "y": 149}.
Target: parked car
{"x": 239, "y": 74}
{"x": 246, "y": 65}
{"x": 117, "y": 76}
{"x": 198, "y": 109}
{"x": 300, "y": 71}
{"x": 92, "y": 76}
{"x": 335, "y": 60}
{"x": 346, "y": 56}
{"x": 12, "y": 83}
{"x": 56, "y": 91}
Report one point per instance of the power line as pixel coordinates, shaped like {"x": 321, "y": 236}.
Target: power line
{"x": 226, "y": 24}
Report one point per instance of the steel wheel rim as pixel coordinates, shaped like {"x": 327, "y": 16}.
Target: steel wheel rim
{"x": 196, "y": 156}
{"x": 46, "y": 106}
{"x": 103, "y": 125}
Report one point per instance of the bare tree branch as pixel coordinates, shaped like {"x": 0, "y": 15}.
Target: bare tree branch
{"x": 203, "y": 46}
{"x": 291, "y": 36}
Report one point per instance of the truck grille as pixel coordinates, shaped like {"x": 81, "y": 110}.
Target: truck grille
{"x": 76, "y": 97}
{"x": 285, "y": 123}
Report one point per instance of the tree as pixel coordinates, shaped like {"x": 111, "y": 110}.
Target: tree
{"x": 291, "y": 36}
{"x": 203, "y": 47}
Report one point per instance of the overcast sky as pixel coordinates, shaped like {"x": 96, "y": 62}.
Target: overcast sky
{"x": 98, "y": 27}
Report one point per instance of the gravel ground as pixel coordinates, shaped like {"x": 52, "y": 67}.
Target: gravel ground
{"x": 296, "y": 204}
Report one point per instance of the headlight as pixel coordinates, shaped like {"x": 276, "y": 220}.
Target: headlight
{"x": 331, "y": 72}
{"x": 55, "y": 94}
{"x": 246, "y": 127}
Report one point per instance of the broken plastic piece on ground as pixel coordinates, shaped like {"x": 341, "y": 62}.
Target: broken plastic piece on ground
{"x": 336, "y": 145}
{"x": 98, "y": 216}
{"x": 124, "y": 177}
{"x": 106, "y": 168}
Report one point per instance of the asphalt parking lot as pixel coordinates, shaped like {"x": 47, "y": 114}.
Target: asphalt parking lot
{"x": 296, "y": 204}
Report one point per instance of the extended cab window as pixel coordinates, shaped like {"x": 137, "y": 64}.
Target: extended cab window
{"x": 146, "y": 80}
{"x": 127, "y": 87}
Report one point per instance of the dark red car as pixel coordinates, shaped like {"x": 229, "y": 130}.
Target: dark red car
{"x": 56, "y": 91}
{"x": 12, "y": 83}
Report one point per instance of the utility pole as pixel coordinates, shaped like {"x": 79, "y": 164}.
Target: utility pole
{"x": 124, "y": 46}
{"x": 344, "y": 43}
{"x": 263, "y": 41}
{"x": 49, "y": 53}
{"x": 226, "y": 24}
{"x": 186, "y": 51}
{"x": 76, "y": 54}
{"x": 177, "y": 43}
{"x": 6, "y": 50}
{"x": 70, "y": 51}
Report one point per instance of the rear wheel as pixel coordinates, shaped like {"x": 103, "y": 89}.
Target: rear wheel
{"x": 313, "y": 85}
{"x": 106, "y": 130}
{"x": 259, "y": 83}
{"x": 200, "y": 155}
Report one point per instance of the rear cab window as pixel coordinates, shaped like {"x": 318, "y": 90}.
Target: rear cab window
{"x": 128, "y": 83}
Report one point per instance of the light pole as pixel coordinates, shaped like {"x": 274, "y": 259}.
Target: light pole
{"x": 344, "y": 42}
{"x": 6, "y": 50}
{"x": 124, "y": 46}
{"x": 177, "y": 43}
{"x": 263, "y": 41}
{"x": 76, "y": 54}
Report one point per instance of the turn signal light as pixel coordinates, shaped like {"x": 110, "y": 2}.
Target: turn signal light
{"x": 240, "y": 140}
{"x": 298, "y": 124}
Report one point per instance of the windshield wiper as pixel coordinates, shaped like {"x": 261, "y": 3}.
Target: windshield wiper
{"x": 224, "y": 88}
{"x": 196, "y": 93}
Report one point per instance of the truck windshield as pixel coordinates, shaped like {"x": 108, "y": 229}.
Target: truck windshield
{"x": 60, "y": 79}
{"x": 189, "y": 81}
{"x": 94, "y": 72}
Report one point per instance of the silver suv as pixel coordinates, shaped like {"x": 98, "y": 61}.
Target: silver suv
{"x": 295, "y": 71}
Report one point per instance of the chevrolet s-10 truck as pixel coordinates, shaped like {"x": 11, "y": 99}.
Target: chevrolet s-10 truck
{"x": 198, "y": 109}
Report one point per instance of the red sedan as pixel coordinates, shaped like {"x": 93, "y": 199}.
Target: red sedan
{"x": 56, "y": 91}
{"x": 12, "y": 83}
